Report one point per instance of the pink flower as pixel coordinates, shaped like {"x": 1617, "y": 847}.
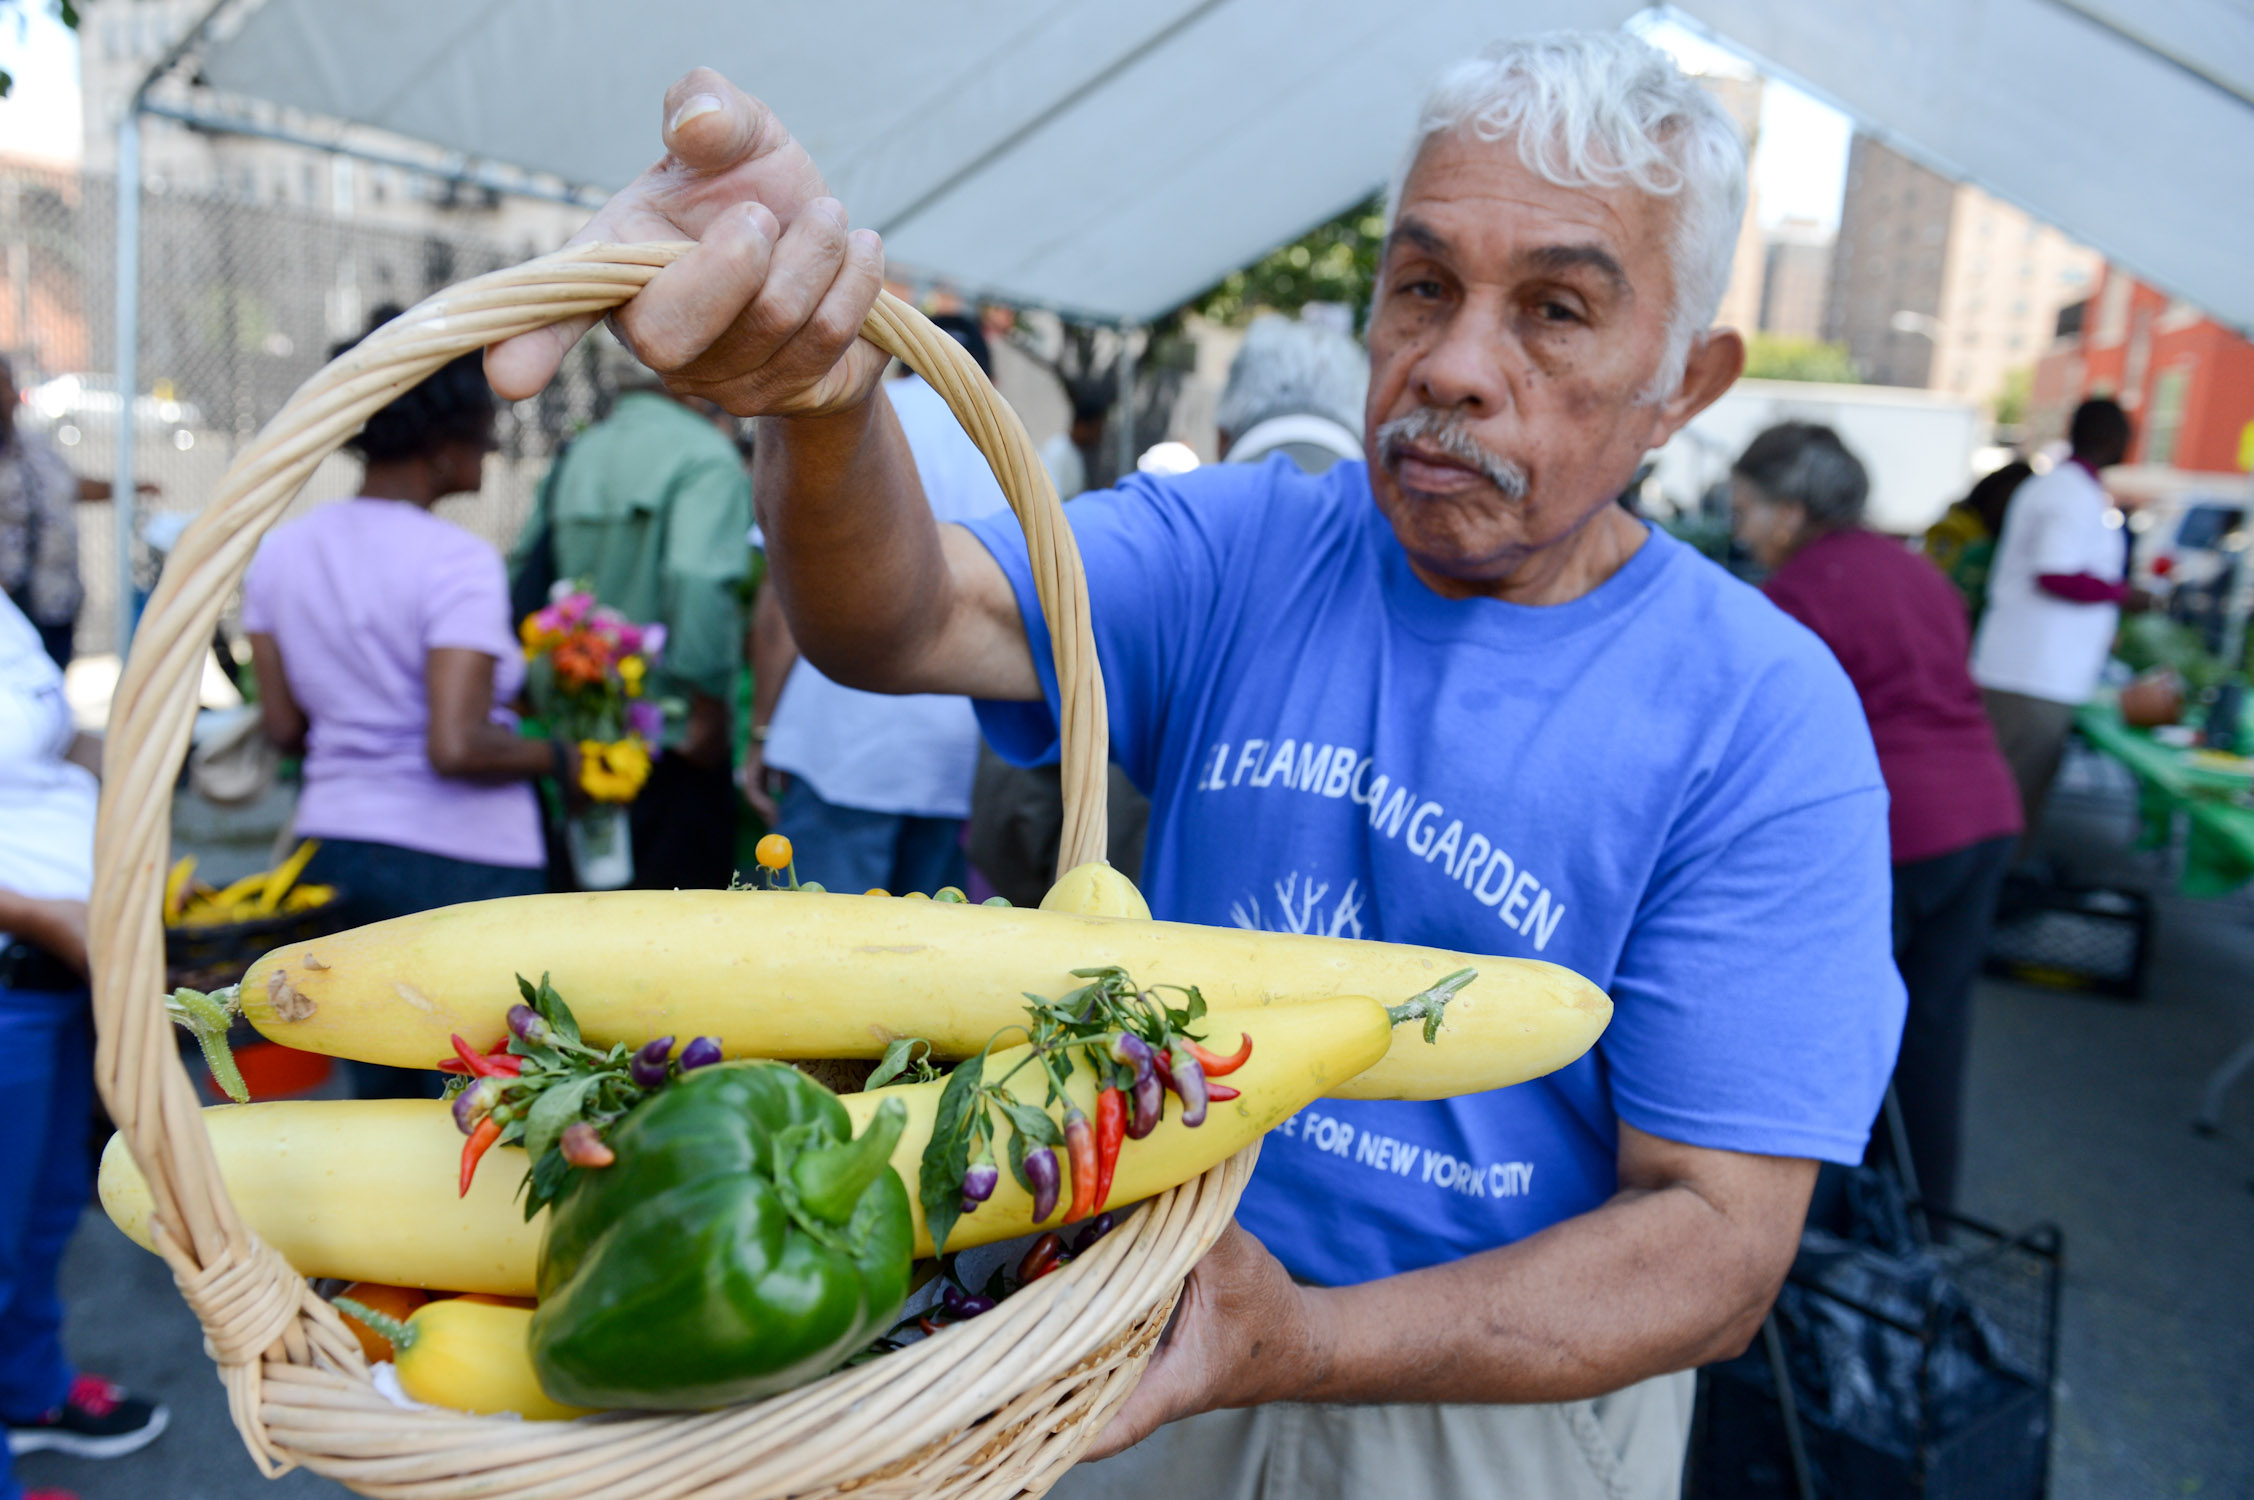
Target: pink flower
{"x": 629, "y": 638}
{"x": 653, "y": 642}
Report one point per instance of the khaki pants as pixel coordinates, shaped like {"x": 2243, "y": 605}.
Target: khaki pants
{"x": 2031, "y": 732}
{"x": 1625, "y": 1446}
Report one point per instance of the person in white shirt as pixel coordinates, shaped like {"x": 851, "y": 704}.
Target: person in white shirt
{"x": 874, "y": 788}
{"x": 47, "y": 795}
{"x": 2055, "y": 593}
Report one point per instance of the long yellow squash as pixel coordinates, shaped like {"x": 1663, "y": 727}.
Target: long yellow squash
{"x": 366, "y": 1189}
{"x": 801, "y": 975}
{"x": 362, "y": 1189}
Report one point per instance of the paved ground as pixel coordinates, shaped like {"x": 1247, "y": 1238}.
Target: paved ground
{"x": 2080, "y": 1115}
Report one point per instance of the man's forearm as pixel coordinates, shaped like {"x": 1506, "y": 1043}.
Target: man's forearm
{"x": 1648, "y": 1283}
{"x": 854, "y": 553}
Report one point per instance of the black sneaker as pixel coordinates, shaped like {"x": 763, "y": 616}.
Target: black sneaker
{"x": 96, "y": 1420}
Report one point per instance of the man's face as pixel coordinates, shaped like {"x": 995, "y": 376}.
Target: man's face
{"x": 1529, "y": 319}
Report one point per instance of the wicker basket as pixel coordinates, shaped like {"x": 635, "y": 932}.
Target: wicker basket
{"x": 999, "y": 1406}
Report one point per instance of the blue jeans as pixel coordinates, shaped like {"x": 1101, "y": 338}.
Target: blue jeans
{"x": 46, "y": 1181}
{"x": 851, "y": 851}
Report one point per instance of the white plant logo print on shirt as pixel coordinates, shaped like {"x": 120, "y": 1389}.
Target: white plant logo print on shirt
{"x": 1475, "y": 863}
{"x": 1299, "y": 908}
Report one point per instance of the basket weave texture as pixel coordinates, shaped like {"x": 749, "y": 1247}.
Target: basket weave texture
{"x": 995, "y": 1407}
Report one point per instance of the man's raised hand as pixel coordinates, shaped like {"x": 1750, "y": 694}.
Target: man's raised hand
{"x": 763, "y": 315}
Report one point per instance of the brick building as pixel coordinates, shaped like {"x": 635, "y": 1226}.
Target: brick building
{"x": 2186, "y": 380}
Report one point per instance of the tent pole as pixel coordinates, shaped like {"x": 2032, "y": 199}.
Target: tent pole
{"x": 128, "y": 319}
{"x": 1126, "y": 438}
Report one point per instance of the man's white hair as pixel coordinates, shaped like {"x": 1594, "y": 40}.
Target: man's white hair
{"x": 1601, "y": 109}
{"x": 1291, "y": 368}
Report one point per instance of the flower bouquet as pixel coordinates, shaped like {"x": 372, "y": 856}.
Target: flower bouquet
{"x": 587, "y": 667}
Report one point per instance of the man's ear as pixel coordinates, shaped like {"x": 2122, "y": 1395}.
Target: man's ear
{"x": 1717, "y": 358}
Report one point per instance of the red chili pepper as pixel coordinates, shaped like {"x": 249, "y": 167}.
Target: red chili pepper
{"x": 1216, "y": 1093}
{"x": 481, "y": 1140}
{"x": 1080, "y": 1143}
{"x": 927, "y": 1326}
{"x": 1041, "y": 1257}
{"x": 1111, "y": 1129}
{"x": 500, "y": 1065}
{"x": 1216, "y": 1065}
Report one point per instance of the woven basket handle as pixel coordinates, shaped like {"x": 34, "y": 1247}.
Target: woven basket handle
{"x": 246, "y": 1298}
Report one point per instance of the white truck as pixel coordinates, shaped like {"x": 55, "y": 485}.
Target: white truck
{"x": 1919, "y": 446}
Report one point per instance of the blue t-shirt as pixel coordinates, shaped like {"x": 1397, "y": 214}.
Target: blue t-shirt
{"x": 1666, "y": 785}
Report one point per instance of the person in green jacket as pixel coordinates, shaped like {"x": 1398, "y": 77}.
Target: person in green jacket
{"x": 652, "y": 507}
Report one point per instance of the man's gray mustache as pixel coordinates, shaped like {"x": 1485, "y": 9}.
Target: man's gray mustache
{"x": 1448, "y": 432}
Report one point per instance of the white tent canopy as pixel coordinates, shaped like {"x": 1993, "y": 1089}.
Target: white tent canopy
{"x": 1115, "y": 157}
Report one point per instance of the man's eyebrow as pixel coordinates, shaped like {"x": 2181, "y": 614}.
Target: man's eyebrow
{"x": 1560, "y": 258}
{"x": 1423, "y": 236}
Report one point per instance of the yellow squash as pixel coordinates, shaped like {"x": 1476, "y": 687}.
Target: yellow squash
{"x": 799, "y": 975}
{"x": 360, "y": 1189}
{"x": 472, "y": 1356}
{"x": 365, "y": 1190}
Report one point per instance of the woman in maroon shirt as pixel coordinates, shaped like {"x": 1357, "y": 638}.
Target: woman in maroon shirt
{"x": 1898, "y": 627}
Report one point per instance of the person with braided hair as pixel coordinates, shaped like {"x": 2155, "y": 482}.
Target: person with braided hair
{"x": 382, "y": 641}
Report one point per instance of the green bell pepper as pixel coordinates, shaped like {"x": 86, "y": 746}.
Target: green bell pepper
{"x": 741, "y": 1243}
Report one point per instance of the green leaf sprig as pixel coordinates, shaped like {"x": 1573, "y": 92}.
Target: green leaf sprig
{"x": 1081, "y": 1023}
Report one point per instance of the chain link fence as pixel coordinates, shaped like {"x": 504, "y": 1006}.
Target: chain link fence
{"x": 240, "y": 303}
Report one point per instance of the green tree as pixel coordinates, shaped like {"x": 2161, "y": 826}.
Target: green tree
{"x": 1333, "y": 262}
{"x": 19, "y": 11}
{"x": 1776, "y": 356}
{"x": 2012, "y": 397}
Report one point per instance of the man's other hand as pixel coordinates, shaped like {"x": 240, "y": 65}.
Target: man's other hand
{"x": 1243, "y": 1334}
{"x": 764, "y": 314}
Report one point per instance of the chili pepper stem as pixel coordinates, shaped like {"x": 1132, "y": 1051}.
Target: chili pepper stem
{"x": 400, "y": 1335}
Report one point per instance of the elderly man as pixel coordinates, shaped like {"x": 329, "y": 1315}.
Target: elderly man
{"x": 1457, "y": 697}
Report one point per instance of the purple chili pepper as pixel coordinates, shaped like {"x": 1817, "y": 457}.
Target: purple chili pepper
{"x": 528, "y": 1024}
{"x": 979, "y": 1182}
{"x": 1097, "y": 1227}
{"x": 1146, "y": 1106}
{"x": 1041, "y": 1167}
{"x": 649, "y": 1065}
{"x": 702, "y": 1052}
{"x": 1188, "y": 1077}
{"x": 1131, "y": 1051}
{"x": 962, "y": 1304}
{"x": 475, "y": 1103}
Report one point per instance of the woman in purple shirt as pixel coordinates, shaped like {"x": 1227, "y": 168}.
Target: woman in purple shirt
{"x": 1898, "y": 628}
{"x": 382, "y": 640}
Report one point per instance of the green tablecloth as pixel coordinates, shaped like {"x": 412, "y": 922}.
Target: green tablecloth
{"x": 2215, "y": 804}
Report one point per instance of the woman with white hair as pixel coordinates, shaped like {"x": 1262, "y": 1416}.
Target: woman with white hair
{"x": 1455, "y": 696}
{"x": 1899, "y": 628}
